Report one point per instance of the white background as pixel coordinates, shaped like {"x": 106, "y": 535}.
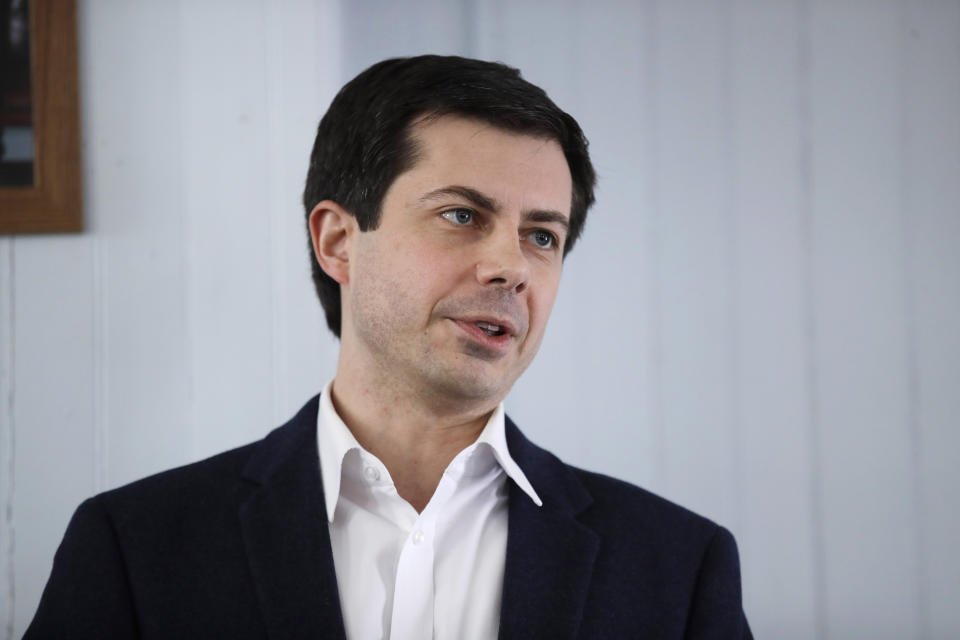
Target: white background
{"x": 761, "y": 321}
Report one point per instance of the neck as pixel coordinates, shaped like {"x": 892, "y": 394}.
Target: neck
{"x": 414, "y": 435}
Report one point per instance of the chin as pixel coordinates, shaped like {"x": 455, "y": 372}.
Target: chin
{"x": 471, "y": 386}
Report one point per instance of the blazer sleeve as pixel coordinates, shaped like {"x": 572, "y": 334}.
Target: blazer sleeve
{"x": 717, "y": 609}
{"x": 88, "y": 593}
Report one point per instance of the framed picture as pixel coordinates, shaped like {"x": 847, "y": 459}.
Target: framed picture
{"x": 40, "y": 173}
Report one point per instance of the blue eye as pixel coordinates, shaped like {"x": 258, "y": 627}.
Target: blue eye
{"x": 461, "y": 217}
{"x": 543, "y": 239}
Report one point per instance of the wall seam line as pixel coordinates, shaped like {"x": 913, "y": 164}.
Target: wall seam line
{"x": 8, "y": 521}
{"x": 98, "y": 349}
{"x": 909, "y": 319}
{"x": 275, "y": 220}
{"x": 731, "y": 212}
{"x": 188, "y": 246}
{"x": 468, "y": 18}
{"x": 805, "y": 113}
{"x": 652, "y": 151}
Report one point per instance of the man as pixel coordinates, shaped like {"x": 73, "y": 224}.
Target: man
{"x": 442, "y": 196}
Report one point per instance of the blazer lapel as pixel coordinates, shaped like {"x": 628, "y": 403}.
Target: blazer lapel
{"x": 550, "y": 555}
{"x": 286, "y": 536}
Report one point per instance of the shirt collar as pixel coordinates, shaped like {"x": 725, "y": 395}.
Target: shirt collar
{"x": 334, "y": 441}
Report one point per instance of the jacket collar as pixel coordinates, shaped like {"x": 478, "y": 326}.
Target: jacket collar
{"x": 550, "y": 555}
{"x": 285, "y": 533}
{"x": 549, "y": 562}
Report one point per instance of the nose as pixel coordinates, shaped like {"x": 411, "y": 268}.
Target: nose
{"x": 503, "y": 264}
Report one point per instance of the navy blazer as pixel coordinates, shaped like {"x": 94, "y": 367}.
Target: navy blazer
{"x": 237, "y": 546}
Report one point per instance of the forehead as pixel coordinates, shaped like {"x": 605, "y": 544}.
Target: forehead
{"x": 520, "y": 170}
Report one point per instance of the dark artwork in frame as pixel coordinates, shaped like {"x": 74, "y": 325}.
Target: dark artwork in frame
{"x": 16, "y": 107}
{"x": 40, "y": 167}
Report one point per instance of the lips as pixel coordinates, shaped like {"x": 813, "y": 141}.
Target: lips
{"x": 494, "y": 334}
{"x": 494, "y": 326}
{"x": 490, "y": 329}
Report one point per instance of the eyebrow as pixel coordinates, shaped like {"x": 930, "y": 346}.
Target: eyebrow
{"x": 483, "y": 201}
{"x": 548, "y": 216}
{"x": 475, "y": 197}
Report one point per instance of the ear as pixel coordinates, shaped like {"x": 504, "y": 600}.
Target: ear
{"x": 331, "y": 228}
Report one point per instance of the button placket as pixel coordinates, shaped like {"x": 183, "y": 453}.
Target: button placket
{"x": 413, "y": 600}
{"x": 413, "y": 597}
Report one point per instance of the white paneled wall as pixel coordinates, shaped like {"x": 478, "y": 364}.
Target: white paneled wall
{"x": 859, "y": 337}
{"x": 181, "y": 322}
{"x": 759, "y": 323}
{"x": 930, "y": 228}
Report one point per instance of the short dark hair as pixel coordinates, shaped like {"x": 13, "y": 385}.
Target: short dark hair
{"x": 363, "y": 142}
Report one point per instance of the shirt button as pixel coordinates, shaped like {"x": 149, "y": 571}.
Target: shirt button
{"x": 372, "y": 474}
{"x": 417, "y": 537}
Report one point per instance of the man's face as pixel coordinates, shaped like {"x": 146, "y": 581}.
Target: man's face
{"x": 450, "y": 295}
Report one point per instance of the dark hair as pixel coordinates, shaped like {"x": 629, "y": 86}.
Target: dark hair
{"x": 363, "y": 141}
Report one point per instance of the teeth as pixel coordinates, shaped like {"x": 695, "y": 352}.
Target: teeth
{"x": 490, "y": 329}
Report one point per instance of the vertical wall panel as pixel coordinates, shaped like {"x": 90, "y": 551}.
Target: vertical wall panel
{"x": 7, "y": 477}
{"x": 861, "y": 358}
{"x": 773, "y": 413}
{"x": 302, "y": 75}
{"x": 132, "y": 142}
{"x": 53, "y": 402}
{"x": 695, "y": 222}
{"x": 544, "y": 45}
{"x": 931, "y": 225}
{"x": 374, "y": 30}
{"x": 603, "y": 320}
{"x": 228, "y": 235}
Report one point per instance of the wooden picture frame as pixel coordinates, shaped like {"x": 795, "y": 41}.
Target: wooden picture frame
{"x": 54, "y": 203}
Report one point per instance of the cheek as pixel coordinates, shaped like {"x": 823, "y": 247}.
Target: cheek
{"x": 541, "y": 306}
{"x": 370, "y": 301}
{"x": 399, "y": 282}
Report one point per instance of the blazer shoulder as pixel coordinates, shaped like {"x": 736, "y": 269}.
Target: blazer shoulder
{"x": 626, "y": 505}
{"x": 609, "y": 505}
{"x": 204, "y": 476}
{"x": 692, "y": 561}
{"x": 221, "y": 473}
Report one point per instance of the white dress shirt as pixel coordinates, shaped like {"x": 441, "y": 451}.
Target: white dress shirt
{"x": 409, "y": 576}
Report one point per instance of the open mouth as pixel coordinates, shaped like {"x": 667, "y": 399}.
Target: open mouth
{"x": 485, "y": 339}
{"x": 490, "y": 329}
